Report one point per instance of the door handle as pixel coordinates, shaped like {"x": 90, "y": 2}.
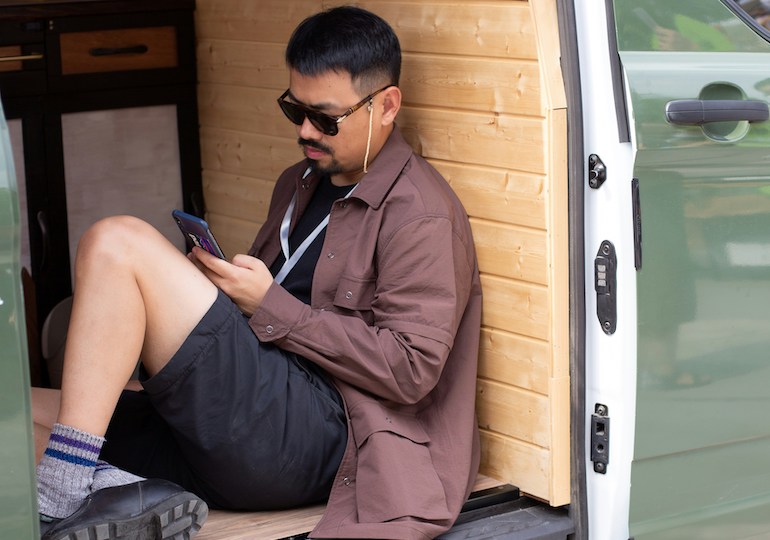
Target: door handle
{"x": 694, "y": 112}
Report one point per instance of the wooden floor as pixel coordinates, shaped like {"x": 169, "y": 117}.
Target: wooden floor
{"x": 223, "y": 525}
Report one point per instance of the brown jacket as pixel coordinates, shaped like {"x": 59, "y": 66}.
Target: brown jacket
{"x": 394, "y": 319}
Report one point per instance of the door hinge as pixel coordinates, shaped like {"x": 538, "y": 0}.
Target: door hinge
{"x": 605, "y": 285}
{"x": 600, "y": 438}
{"x": 597, "y": 171}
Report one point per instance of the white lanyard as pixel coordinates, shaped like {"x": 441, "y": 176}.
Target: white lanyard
{"x": 291, "y": 261}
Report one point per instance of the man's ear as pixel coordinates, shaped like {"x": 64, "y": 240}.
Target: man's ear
{"x": 391, "y": 104}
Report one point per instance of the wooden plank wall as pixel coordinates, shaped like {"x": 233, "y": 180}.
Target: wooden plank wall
{"x": 484, "y": 104}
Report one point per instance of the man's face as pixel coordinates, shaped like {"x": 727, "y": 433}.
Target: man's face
{"x": 332, "y": 93}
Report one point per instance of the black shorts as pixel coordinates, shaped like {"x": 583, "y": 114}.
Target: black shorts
{"x": 243, "y": 424}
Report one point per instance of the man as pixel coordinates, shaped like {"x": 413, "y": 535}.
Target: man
{"x": 337, "y": 359}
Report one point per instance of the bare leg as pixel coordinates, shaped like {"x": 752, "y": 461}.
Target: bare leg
{"x": 45, "y": 410}
{"x": 136, "y": 296}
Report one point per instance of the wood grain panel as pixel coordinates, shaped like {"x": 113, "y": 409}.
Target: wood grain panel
{"x": 502, "y": 86}
{"x": 515, "y": 306}
{"x": 497, "y": 29}
{"x": 507, "y": 458}
{"x": 247, "y": 154}
{"x": 515, "y": 360}
{"x": 247, "y": 20}
{"x": 511, "y": 411}
{"x": 559, "y": 256}
{"x": 510, "y": 251}
{"x": 511, "y": 142}
{"x": 559, "y": 425}
{"x": 482, "y": 84}
{"x": 234, "y": 235}
{"x": 237, "y": 196}
{"x": 223, "y": 525}
{"x": 243, "y": 63}
{"x": 498, "y": 194}
{"x": 243, "y": 108}
{"x": 545, "y": 19}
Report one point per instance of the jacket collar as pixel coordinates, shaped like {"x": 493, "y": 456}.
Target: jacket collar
{"x": 382, "y": 174}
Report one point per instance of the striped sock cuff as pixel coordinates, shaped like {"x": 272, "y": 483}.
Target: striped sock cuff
{"x": 74, "y": 446}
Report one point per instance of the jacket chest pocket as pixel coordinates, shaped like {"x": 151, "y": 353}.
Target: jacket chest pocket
{"x": 356, "y": 295}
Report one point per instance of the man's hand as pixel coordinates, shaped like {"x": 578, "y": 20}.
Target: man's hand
{"x": 245, "y": 280}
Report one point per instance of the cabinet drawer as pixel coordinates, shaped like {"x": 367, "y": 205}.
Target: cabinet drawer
{"x": 11, "y": 58}
{"x": 22, "y": 58}
{"x": 124, "y": 49}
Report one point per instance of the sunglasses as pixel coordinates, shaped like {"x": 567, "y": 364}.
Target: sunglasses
{"x": 327, "y": 124}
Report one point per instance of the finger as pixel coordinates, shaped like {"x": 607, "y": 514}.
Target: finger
{"x": 246, "y": 261}
{"x": 215, "y": 268}
{"x": 205, "y": 257}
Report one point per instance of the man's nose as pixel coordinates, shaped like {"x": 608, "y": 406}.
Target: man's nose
{"x": 307, "y": 130}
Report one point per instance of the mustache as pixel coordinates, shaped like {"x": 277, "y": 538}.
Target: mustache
{"x": 314, "y": 144}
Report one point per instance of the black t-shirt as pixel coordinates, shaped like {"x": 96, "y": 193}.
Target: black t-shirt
{"x": 300, "y": 279}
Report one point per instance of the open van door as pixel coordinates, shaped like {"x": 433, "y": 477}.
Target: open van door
{"x": 18, "y": 497}
{"x": 696, "y": 209}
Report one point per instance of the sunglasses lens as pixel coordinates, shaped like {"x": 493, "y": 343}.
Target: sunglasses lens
{"x": 294, "y": 113}
{"x": 323, "y": 123}
{"x": 297, "y": 115}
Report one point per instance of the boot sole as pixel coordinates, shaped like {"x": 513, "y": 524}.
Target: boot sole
{"x": 178, "y": 518}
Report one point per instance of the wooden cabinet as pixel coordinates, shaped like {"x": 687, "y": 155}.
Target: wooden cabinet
{"x": 101, "y": 102}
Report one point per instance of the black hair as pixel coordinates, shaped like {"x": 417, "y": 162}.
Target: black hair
{"x": 347, "y": 39}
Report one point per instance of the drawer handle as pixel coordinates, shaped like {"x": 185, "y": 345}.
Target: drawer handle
{"x": 112, "y": 51}
{"x": 21, "y": 58}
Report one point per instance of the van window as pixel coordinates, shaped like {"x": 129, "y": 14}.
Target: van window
{"x": 755, "y": 12}
{"x": 716, "y": 26}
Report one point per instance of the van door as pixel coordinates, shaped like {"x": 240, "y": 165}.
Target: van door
{"x": 697, "y": 86}
{"x": 18, "y": 496}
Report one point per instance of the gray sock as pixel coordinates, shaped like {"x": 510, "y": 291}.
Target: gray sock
{"x": 65, "y": 472}
{"x": 107, "y": 475}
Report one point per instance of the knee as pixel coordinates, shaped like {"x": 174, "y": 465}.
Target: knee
{"x": 111, "y": 239}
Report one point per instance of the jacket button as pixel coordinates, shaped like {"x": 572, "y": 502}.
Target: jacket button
{"x": 349, "y": 295}
{"x": 269, "y": 328}
{"x": 346, "y": 481}
{"x": 330, "y": 255}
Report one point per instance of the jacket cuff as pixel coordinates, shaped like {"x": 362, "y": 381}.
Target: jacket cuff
{"x": 277, "y": 315}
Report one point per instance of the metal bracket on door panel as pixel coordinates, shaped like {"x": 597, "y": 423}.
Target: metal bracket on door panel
{"x": 597, "y": 171}
{"x": 600, "y": 438}
{"x": 605, "y": 265}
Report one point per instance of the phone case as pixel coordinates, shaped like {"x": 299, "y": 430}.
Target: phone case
{"x": 197, "y": 231}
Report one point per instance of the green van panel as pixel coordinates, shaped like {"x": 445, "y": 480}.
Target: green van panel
{"x": 701, "y": 464}
{"x": 18, "y": 495}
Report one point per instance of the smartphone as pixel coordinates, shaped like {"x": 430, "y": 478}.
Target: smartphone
{"x": 197, "y": 231}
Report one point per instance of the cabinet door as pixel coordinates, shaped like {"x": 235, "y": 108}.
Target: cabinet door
{"x": 40, "y": 250}
{"x": 122, "y": 161}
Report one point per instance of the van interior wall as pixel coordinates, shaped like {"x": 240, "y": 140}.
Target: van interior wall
{"x": 484, "y": 104}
